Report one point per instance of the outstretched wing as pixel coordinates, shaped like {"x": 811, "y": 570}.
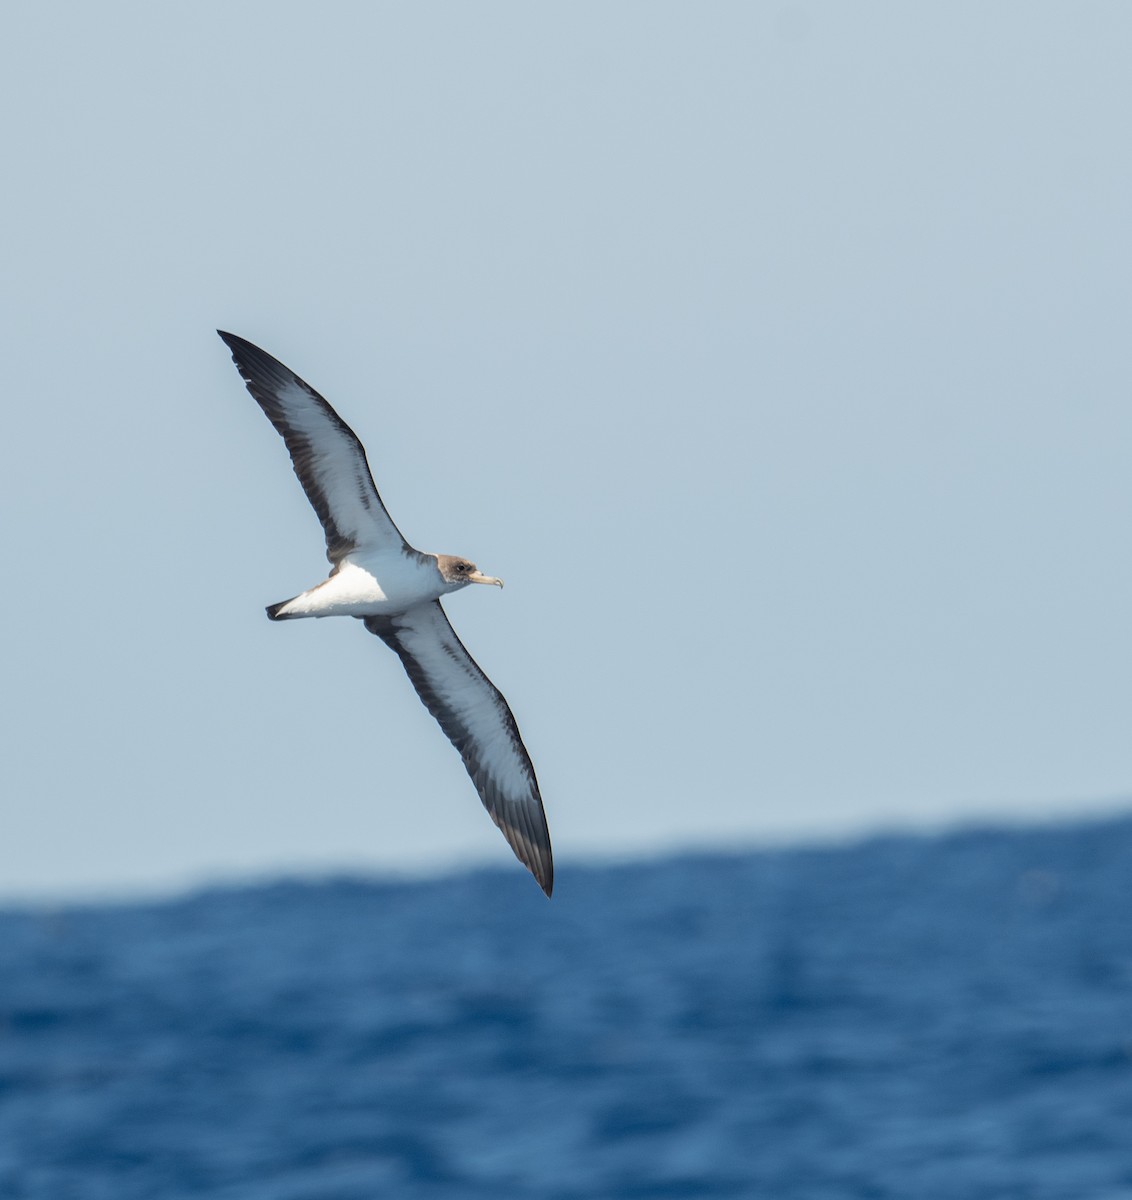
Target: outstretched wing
{"x": 328, "y": 458}
{"x": 473, "y": 713}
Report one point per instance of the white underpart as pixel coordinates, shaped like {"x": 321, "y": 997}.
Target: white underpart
{"x": 368, "y": 585}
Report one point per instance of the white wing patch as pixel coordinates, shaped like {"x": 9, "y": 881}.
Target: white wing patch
{"x": 327, "y": 456}
{"x": 473, "y": 713}
{"x": 337, "y": 467}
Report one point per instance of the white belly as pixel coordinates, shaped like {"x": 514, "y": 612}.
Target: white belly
{"x": 356, "y": 589}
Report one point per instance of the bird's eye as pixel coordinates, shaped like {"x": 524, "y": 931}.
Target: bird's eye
{"x": 462, "y": 567}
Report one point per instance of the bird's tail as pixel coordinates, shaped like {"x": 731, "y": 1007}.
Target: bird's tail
{"x": 276, "y": 613}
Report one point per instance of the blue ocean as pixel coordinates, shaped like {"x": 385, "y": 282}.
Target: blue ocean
{"x": 909, "y": 1017}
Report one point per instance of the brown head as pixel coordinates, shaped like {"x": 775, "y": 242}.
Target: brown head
{"x": 456, "y": 572}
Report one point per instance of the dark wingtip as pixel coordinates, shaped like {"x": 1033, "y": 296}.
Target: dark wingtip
{"x": 535, "y": 854}
{"x": 524, "y": 827}
{"x": 542, "y": 860}
{"x": 242, "y": 350}
{"x": 258, "y": 368}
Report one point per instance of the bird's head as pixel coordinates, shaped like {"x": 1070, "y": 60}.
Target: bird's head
{"x": 457, "y": 572}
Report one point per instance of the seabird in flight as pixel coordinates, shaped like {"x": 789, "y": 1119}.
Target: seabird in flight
{"x": 395, "y": 591}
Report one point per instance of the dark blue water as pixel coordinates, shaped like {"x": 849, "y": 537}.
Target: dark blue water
{"x": 909, "y": 1018}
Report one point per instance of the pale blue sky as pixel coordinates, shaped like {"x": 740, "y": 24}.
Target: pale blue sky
{"x": 776, "y": 355}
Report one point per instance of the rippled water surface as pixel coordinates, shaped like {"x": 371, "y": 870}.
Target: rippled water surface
{"x": 909, "y": 1018}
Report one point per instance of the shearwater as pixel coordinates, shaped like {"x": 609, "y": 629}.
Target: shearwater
{"x": 395, "y": 591}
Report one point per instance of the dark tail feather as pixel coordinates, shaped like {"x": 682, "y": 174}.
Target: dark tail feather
{"x": 273, "y": 611}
